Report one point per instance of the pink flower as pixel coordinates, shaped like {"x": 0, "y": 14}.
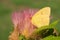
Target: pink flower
{"x": 22, "y": 19}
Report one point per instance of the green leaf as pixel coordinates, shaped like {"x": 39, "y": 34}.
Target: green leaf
{"x": 51, "y": 38}
{"x": 41, "y": 31}
{"x": 52, "y": 25}
{"x": 21, "y": 37}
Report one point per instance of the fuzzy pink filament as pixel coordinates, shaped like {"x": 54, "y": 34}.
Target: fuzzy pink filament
{"x": 22, "y": 19}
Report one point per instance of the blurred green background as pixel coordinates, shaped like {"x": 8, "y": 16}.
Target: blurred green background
{"x": 8, "y": 6}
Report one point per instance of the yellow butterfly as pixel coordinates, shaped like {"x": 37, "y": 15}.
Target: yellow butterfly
{"x": 42, "y": 17}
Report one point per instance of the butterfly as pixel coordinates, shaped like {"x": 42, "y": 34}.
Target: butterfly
{"x": 42, "y": 17}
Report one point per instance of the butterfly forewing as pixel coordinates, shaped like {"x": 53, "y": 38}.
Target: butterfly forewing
{"x": 42, "y": 17}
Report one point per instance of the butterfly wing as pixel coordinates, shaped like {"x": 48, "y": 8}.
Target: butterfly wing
{"x": 41, "y": 18}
